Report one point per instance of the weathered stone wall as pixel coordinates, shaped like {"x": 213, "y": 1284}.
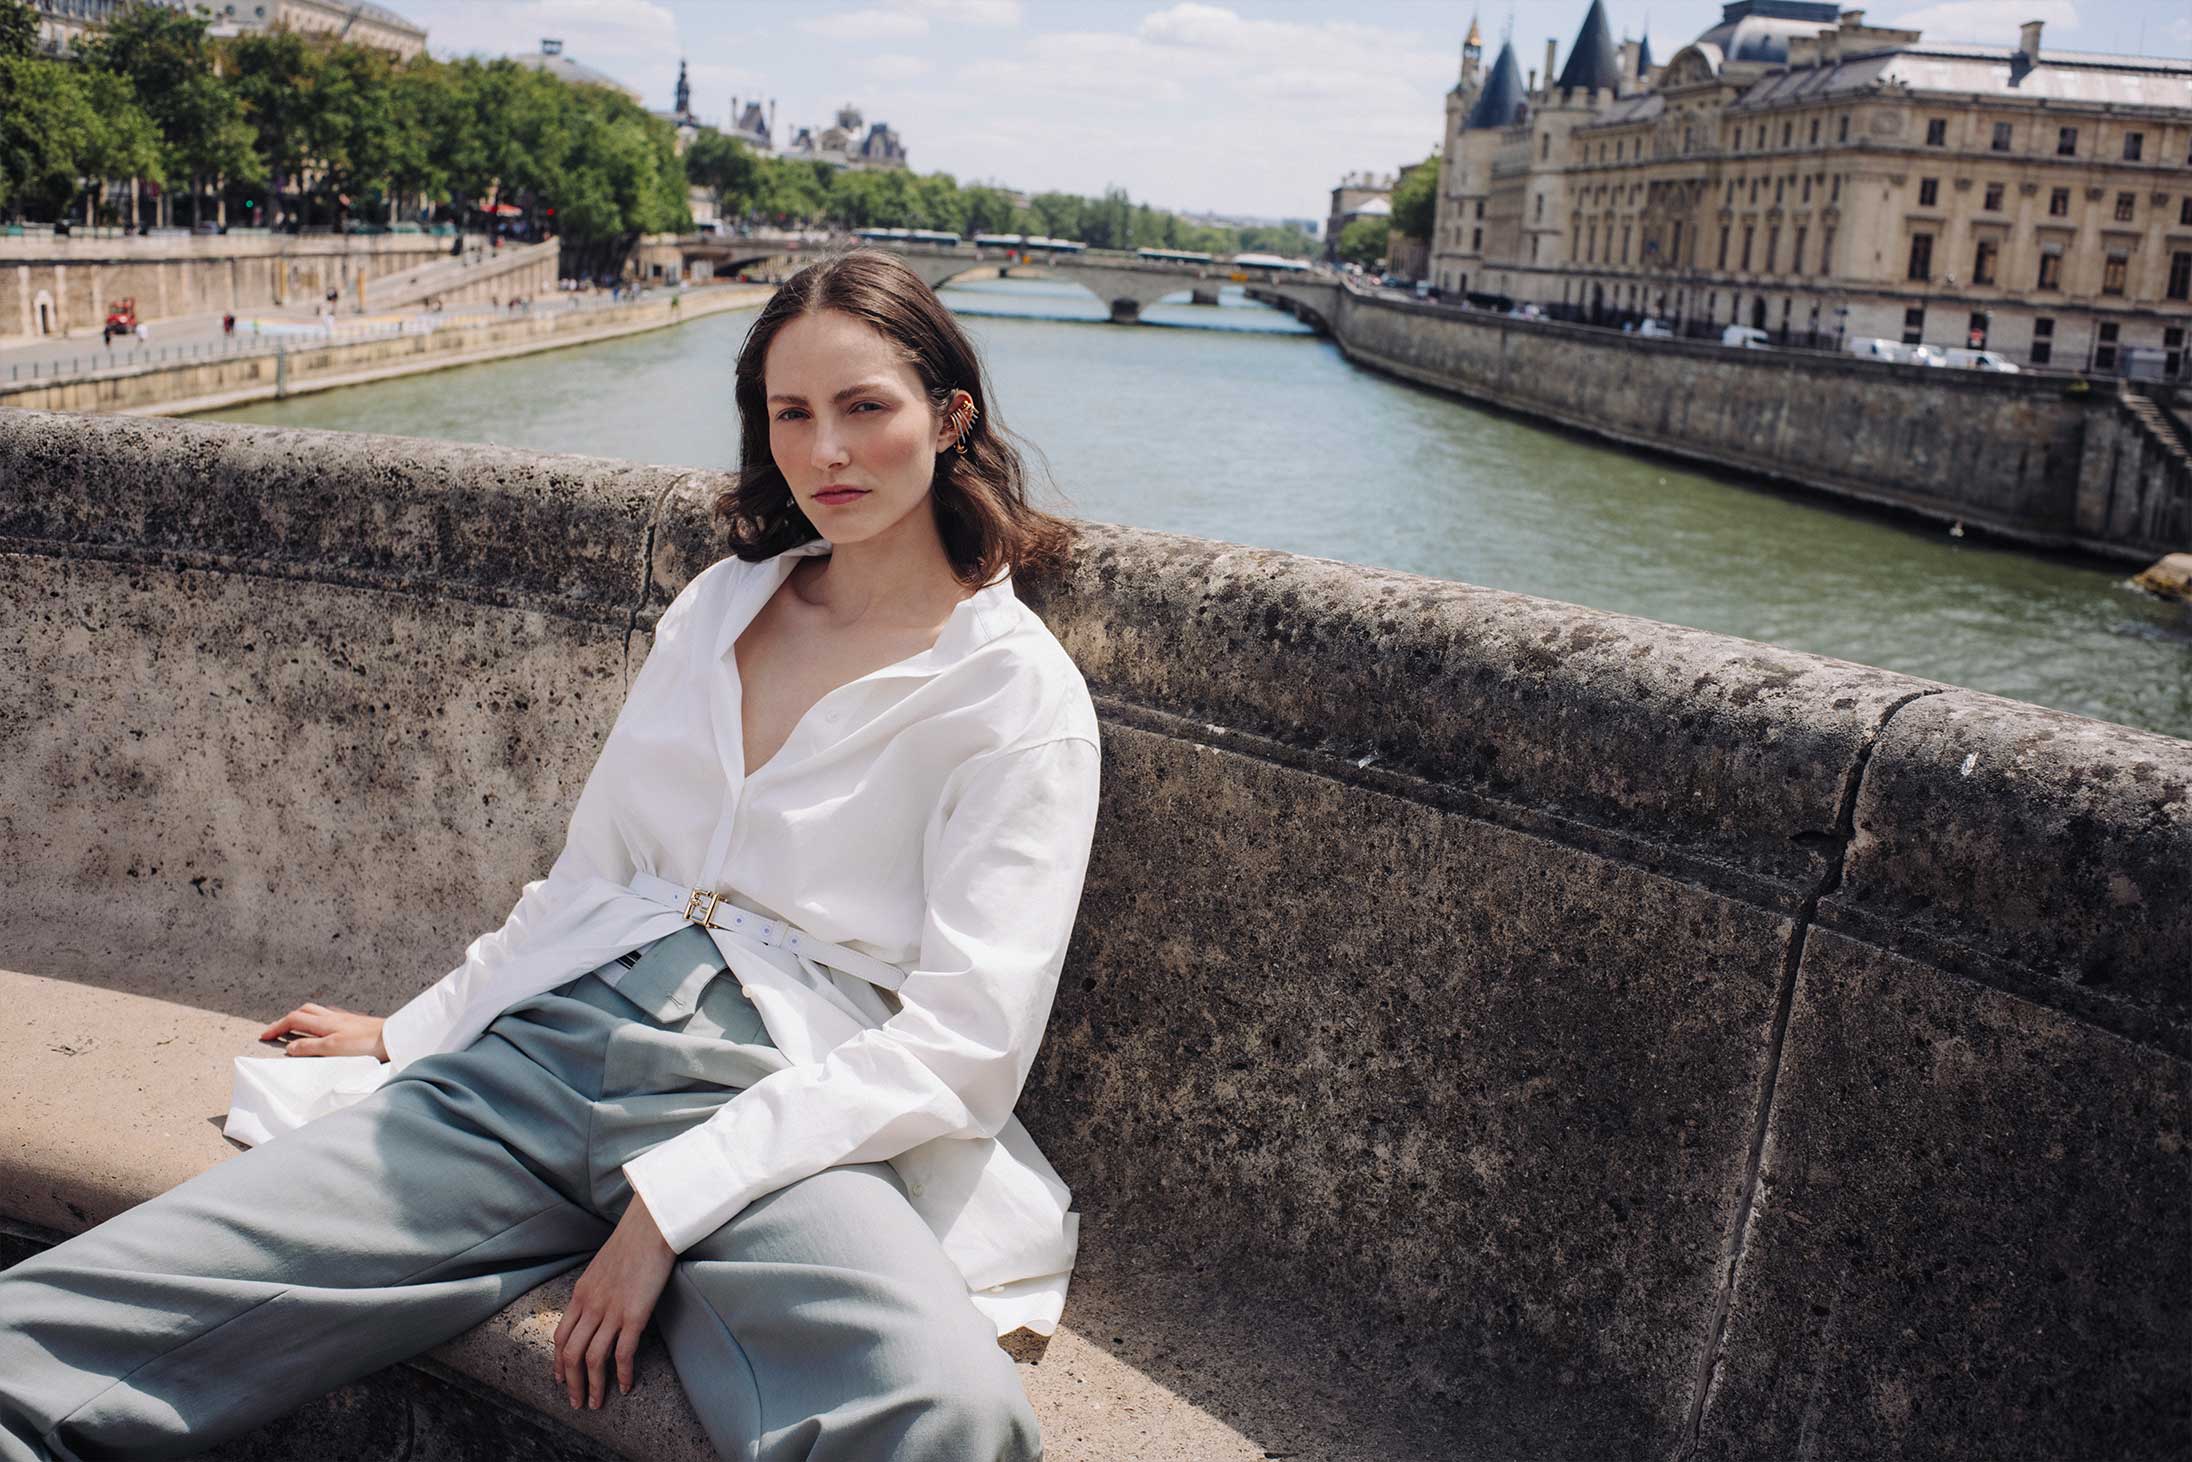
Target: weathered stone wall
{"x": 170, "y": 277}
{"x": 213, "y": 380}
{"x": 1614, "y": 1040}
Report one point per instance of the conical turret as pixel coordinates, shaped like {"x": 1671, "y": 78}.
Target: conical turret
{"x": 1593, "y": 64}
{"x": 1503, "y": 94}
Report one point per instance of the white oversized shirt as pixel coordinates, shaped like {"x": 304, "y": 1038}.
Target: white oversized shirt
{"x": 936, "y": 814}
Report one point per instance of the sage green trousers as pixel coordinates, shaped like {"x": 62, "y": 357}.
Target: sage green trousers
{"x": 823, "y": 1321}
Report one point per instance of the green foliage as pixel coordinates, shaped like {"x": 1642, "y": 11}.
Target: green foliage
{"x": 1415, "y": 199}
{"x": 1363, "y": 241}
{"x": 789, "y": 191}
{"x": 18, "y": 30}
{"x": 168, "y": 61}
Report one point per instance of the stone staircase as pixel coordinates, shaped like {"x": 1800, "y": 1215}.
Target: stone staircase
{"x": 458, "y": 276}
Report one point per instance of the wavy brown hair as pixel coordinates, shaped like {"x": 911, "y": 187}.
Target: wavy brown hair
{"x": 980, "y": 499}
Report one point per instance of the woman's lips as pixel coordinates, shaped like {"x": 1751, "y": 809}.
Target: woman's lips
{"x": 835, "y": 495}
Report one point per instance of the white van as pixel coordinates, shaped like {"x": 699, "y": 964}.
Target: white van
{"x": 1872, "y": 347}
{"x": 1981, "y": 360}
{"x": 1744, "y": 337}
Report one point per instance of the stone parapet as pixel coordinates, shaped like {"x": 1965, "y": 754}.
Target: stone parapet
{"x": 1494, "y": 1028}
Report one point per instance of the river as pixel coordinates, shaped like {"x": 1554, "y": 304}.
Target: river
{"x": 1235, "y": 422}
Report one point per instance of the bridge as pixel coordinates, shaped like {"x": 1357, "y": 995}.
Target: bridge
{"x": 1125, "y": 282}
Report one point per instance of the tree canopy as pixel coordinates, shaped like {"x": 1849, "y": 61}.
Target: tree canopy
{"x": 1363, "y": 241}
{"x": 793, "y": 191}
{"x": 1415, "y": 199}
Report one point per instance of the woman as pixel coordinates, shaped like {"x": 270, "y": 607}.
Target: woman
{"x": 856, "y": 778}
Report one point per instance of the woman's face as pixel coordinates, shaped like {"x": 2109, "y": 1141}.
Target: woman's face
{"x": 850, "y": 426}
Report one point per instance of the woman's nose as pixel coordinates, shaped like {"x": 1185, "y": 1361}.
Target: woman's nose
{"x": 829, "y": 448}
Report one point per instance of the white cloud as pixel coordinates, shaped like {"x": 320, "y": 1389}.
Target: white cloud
{"x": 970, "y": 12}
{"x": 1991, "y": 21}
{"x": 626, "y": 38}
{"x": 867, "y": 25}
{"x": 894, "y": 66}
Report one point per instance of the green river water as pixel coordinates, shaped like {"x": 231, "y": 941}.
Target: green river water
{"x": 1234, "y": 422}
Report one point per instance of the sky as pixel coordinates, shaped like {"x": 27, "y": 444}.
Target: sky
{"x": 1254, "y": 107}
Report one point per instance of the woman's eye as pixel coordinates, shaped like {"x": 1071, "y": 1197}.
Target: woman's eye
{"x": 867, "y": 406}
{"x": 790, "y": 413}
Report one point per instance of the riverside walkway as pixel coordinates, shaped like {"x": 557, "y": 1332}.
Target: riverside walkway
{"x": 1494, "y": 1029}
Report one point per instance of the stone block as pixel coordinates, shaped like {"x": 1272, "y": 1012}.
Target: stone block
{"x": 1973, "y": 1238}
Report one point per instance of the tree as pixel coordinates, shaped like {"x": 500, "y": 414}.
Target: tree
{"x": 1363, "y": 241}
{"x": 277, "y": 79}
{"x": 1415, "y": 199}
{"x": 168, "y": 60}
{"x": 18, "y": 31}
{"x": 45, "y": 118}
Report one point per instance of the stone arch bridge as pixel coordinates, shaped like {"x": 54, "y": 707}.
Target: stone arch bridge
{"x": 1126, "y": 283}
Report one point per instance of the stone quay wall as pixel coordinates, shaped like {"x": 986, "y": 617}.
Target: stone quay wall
{"x": 213, "y": 381}
{"x": 1497, "y": 1027}
{"x": 62, "y": 286}
{"x": 2042, "y": 460}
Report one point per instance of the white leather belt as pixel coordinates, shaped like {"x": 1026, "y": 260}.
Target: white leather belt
{"x": 713, "y": 911}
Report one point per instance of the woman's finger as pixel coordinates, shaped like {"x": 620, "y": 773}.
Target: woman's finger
{"x": 597, "y": 1357}
{"x": 574, "y": 1357}
{"x": 627, "y": 1347}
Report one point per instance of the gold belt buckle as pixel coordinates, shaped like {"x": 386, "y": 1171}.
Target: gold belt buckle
{"x": 705, "y": 902}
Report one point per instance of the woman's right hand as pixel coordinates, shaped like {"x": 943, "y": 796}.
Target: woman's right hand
{"x": 328, "y": 1030}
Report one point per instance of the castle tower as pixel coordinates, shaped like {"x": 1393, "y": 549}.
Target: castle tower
{"x": 684, "y": 92}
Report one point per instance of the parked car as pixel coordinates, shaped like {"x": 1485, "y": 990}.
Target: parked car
{"x": 1926, "y": 355}
{"x": 1981, "y": 360}
{"x": 1744, "y": 337}
{"x": 1526, "y": 311}
{"x": 1657, "y": 329}
{"x": 1872, "y": 347}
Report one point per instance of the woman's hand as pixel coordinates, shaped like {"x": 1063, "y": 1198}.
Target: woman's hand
{"x": 610, "y": 1306}
{"x": 329, "y": 1031}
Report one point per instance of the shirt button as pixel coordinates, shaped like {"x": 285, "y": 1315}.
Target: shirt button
{"x": 745, "y": 991}
{"x": 914, "y": 1189}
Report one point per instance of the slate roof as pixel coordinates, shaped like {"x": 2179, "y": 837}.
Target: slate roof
{"x": 1593, "y": 63}
{"x": 1966, "y": 71}
{"x": 1502, "y": 97}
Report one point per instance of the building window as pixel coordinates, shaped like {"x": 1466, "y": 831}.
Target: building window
{"x": 1834, "y": 195}
{"x": 1929, "y": 192}
{"x": 2001, "y": 136}
{"x": 1826, "y": 251}
{"x": 1624, "y": 243}
{"x": 1773, "y": 247}
{"x": 1754, "y": 189}
{"x": 2051, "y": 270}
{"x": 1807, "y": 192}
{"x": 1748, "y": 234}
{"x": 2058, "y": 203}
{"x": 1761, "y": 136}
{"x": 1921, "y": 256}
{"x": 2043, "y": 340}
{"x": 1937, "y": 132}
{"x": 1841, "y": 131}
{"x": 2066, "y": 142}
{"x": 1815, "y": 131}
{"x": 1780, "y": 186}
{"x": 2134, "y": 144}
{"x": 1788, "y": 132}
{"x": 1796, "y": 255}
{"x": 1480, "y": 208}
{"x": 2112, "y": 274}
{"x": 2180, "y": 275}
{"x": 2184, "y": 211}
{"x": 1731, "y": 193}
{"x": 1984, "y": 260}
{"x": 1723, "y": 264}
{"x": 1993, "y": 202}
{"x": 1914, "y": 325}
{"x": 1476, "y": 241}
{"x": 2104, "y": 352}
{"x": 2126, "y": 204}
{"x": 1545, "y": 145}
{"x": 1541, "y": 205}
{"x": 1675, "y": 255}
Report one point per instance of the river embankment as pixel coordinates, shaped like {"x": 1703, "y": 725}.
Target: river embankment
{"x": 212, "y": 381}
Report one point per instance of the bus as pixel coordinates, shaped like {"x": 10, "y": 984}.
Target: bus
{"x": 932, "y": 237}
{"x": 1175, "y": 256}
{"x": 1270, "y": 261}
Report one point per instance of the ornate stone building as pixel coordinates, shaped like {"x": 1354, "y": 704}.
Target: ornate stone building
{"x": 843, "y": 144}
{"x": 1798, "y": 170}
{"x": 62, "y": 24}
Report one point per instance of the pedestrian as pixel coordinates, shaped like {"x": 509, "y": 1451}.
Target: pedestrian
{"x": 144, "y": 333}
{"x": 759, "y": 1029}
{"x": 228, "y": 323}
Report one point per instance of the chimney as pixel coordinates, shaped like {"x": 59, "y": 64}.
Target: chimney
{"x": 1550, "y": 73}
{"x": 1853, "y": 20}
{"x": 1629, "y": 54}
{"x": 2028, "y": 40}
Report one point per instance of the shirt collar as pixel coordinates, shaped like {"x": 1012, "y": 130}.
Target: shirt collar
{"x": 974, "y": 621}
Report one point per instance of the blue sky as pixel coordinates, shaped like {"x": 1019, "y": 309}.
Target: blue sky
{"x": 1252, "y": 106}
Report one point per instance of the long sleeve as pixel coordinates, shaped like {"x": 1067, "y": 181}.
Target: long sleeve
{"x": 593, "y": 848}
{"x": 1002, "y": 886}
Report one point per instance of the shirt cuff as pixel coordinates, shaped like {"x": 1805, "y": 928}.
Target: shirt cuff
{"x": 690, "y": 1188}
{"x": 418, "y": 1027}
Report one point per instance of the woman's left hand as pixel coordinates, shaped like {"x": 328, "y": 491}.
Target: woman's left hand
{"x": 610, "y": 1307}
